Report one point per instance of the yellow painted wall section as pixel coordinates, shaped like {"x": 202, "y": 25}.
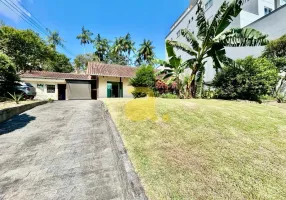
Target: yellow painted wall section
{"x": 102, "y": 86}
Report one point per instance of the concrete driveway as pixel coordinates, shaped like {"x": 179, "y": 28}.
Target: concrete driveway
{"x": 58, "y": 151}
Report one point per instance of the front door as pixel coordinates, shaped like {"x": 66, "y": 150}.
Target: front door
{"x": 114, "y": 90}
{"x": 61, "y": 91}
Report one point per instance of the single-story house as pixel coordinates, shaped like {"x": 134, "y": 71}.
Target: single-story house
{"x": 100, "y": 81}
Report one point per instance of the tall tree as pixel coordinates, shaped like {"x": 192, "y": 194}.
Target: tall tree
{"x": 8, "y": 75}
{"x": 81, "y": 61}
{"x": 214, "y": 37}
{"x": 54, "y": 39}
{"x": 84, "y": 37}
{"x": 102, "y": 48}
{"x": 121, "y": 50}
{"x": 146, "y": 53}
{"x": 58, "y": 63}
{"x": 26, "y": 49}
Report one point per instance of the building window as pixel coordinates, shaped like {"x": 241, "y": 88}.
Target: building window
{"x": 51, "y": 88}
{"x": 267, "y": 10}
{"x": 192, "y": 18}
{"x": 179, "y": 33}
{"x": 208, "y": 4}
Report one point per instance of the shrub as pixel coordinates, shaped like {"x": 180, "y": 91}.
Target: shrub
{"x": 145, "y": 77}
{"x": 8, "y": 75}
{"x": 248, "y": 79}
{"x": 161, "y": 86}
{"x": 50, "y": 100}
{"x": 169, "y": 96}
{"x": 140, "y": 92}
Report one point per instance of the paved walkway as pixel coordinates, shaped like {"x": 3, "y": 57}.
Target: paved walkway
{"x": 58, "y": 151}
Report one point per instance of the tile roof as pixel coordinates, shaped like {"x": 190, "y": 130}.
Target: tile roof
{"x": 102, "y": 69}
{"x": 54, "y": 75}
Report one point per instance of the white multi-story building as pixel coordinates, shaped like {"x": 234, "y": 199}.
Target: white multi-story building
{"x": 267, "y": 16}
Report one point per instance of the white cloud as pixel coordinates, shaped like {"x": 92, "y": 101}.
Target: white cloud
{"x": 13, "y": 14}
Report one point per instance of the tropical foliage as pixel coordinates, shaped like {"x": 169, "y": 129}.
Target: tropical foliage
{"x": 102, "y": 48}
{"x": 26, "y": 49}
{"x": 145, "y": 77}
{"x": 84, "y": 37}
{"x": 54, "y": 39}
{"x": 122, "y": 49}
{"x": 58, "y": 63}
{"x": 212, "y": 38}
{"x": 81, "y": 61}
{"x": 276, "y": 52}
{"x": 173, "y": 69}
{"x": 29, "y": 52}
{"x": 8, "y": 75}
{"x": 145, "y": 54}
{"x": 247, "y": 79}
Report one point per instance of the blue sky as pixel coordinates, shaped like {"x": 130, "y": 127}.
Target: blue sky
{"x": 150, "y": 19}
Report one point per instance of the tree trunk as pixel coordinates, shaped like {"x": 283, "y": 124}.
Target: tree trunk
{"x": 191, "y": 88}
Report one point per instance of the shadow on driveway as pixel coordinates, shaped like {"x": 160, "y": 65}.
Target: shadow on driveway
{"x": 17, "y": 122}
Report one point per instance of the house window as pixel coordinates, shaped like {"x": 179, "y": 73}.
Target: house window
{"x": 179, "y": 33}
{"x": 267, "y": 10}
{"x": 51, "y": 88}
{"x": 208, "y": 4}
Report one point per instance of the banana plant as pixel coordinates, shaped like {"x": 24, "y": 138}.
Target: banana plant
{"x": 213, "y": 37}
{"x": 173, "y": 68}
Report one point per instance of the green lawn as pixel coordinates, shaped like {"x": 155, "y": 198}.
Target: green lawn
{"x": 205, "y": 149}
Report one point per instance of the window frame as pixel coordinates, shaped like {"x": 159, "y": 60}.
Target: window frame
{"x": 49, "y": 90}
{"x": 208, "y": 4}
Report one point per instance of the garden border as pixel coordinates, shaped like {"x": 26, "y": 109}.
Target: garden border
{"x": 8, "y": 113}
{"x": 130, "y": 182}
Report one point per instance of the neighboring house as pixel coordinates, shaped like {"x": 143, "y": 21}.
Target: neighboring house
{"x": 100, "y": 81}
{"x": 259, "y": 14}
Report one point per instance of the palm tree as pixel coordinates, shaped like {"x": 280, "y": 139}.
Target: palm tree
{"x": 102, "y": 48}
{"x": 84, "y": 37}
{"x": 214, "y": 38}
{"x": 54, "y": 39}
{"x": 173, "y": 68}
{"x": 122, "y": 48}
{"x": 145, "y": 53}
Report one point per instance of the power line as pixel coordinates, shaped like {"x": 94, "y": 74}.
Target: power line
{"x": 24, "y": 17}
{"x": 29, "y": 19}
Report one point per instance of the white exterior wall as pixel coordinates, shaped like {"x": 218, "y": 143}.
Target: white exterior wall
{"x": 102, "y": 86}
{"x": 42, "y": 92}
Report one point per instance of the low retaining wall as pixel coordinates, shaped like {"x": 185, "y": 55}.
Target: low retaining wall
{"x": 130, "y": 182}
{"x": 8, "y": 113}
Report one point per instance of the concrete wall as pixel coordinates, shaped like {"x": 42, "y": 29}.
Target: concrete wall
{"x": 8, "y": 113}
{"x": 102, "y": 86}
{"x": 42, "y": 91}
